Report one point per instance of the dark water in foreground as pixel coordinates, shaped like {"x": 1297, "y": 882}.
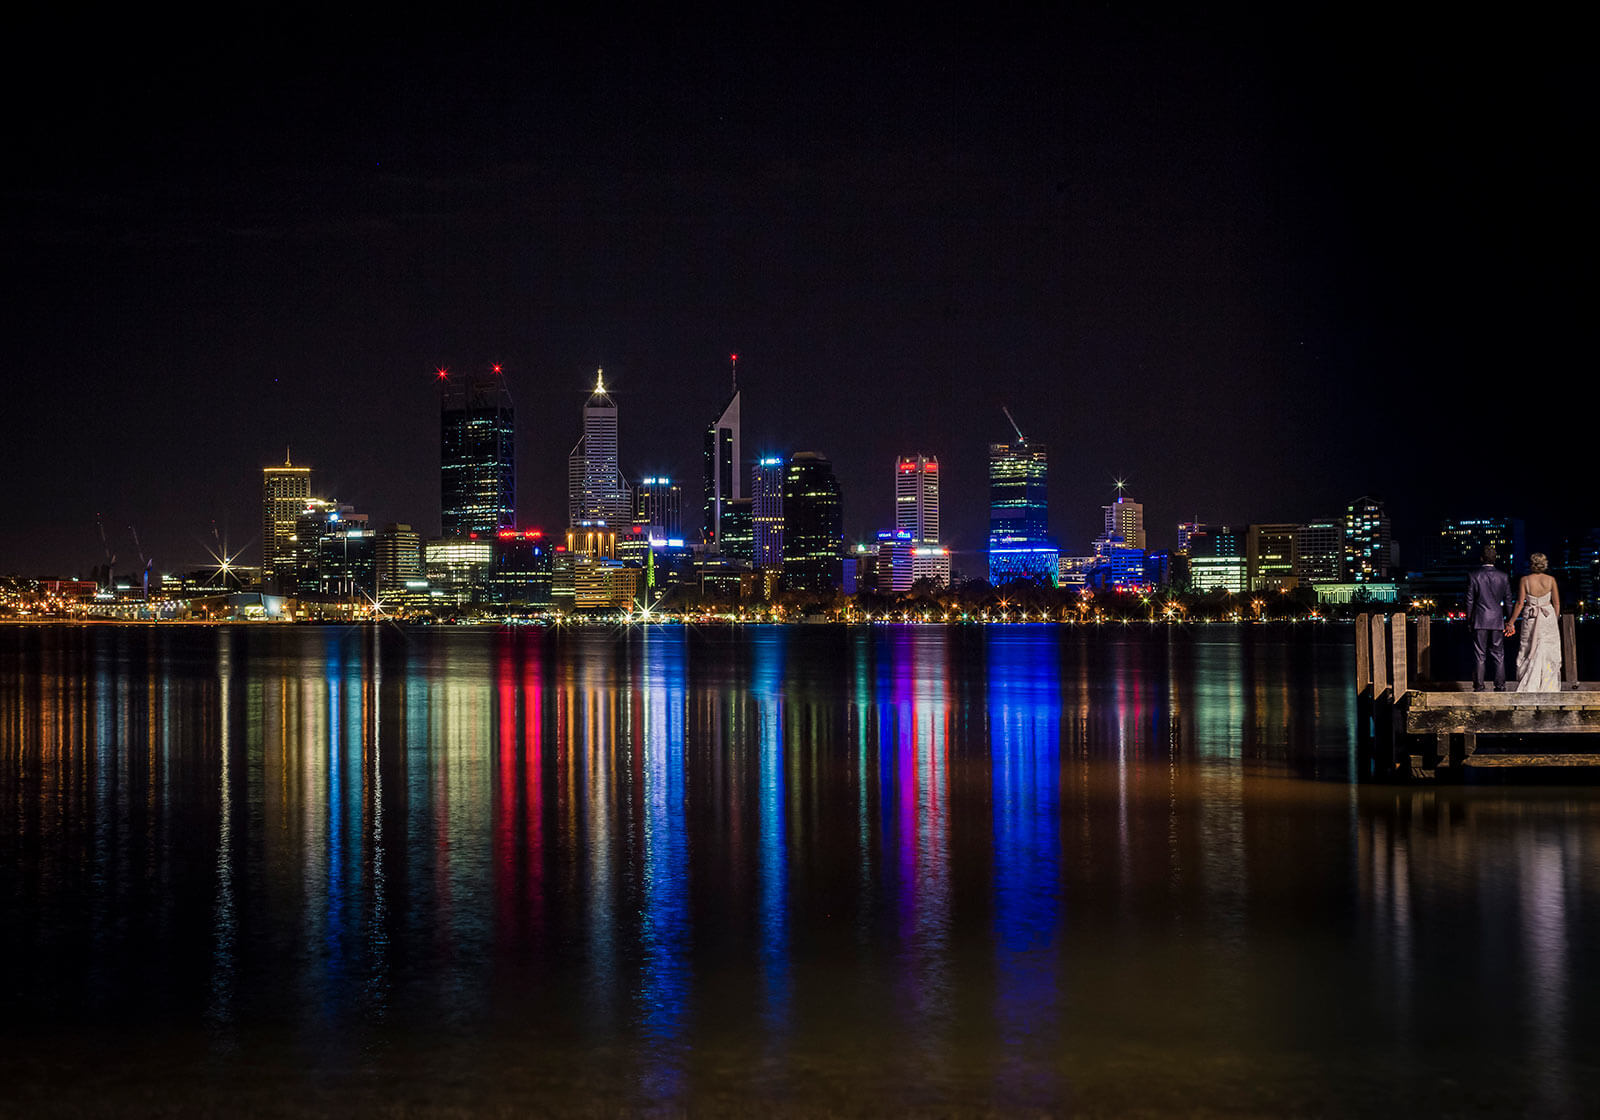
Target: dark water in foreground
{"x": 793, "y": 871}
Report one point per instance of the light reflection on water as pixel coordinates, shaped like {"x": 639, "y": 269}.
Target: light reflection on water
{"x": 1020, "y": 868}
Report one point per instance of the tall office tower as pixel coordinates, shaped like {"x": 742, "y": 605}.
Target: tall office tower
{"x": 399, "y": 557}
{"x": 916, "y": 497}
{"x": 1017, "y": 501}
{"x": 595, "y": 489}
{"x": 477, "y": 454}
{"x": 1368, "y": 542}
{"x": 1187, "y": 531}
{"x": 766, "y": 488}
{"x": 1319, "y": 552}
{"x": 1216, "y": 561}
{"x": 658, "y": 508}
{"x": 739, "y": 530}
{"x": 1269, "y": 557}
{"x": 1461, "y": 541}
{"x": 723, "y": 457}
{"x": 1020, "y": 545}
{"x": 1458, "y": 549}
{"x": 284, "y": 493}
{"x": 1124, "y": 524}
{"x": 813, "y": 525}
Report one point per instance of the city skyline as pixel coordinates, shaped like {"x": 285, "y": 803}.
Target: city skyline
{"x": 1168, "y": 244}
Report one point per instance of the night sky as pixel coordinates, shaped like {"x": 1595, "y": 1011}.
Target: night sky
{"x": 1256, "y": 264}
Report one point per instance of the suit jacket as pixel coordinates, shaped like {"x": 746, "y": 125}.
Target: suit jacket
{"x": 1488, "y": 598}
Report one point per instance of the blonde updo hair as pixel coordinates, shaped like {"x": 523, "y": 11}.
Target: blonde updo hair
{"x": 1538, "y": 562}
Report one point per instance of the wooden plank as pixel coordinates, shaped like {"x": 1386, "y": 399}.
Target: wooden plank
{"x": 1363, "y": 655}
{"x": 1569, "y": 649}
{"x": 1431, "y": 698}
{"x": 1424, "y": 648}
{"x": 1397, "y": 627}
{"x": 1440, "y": 688}
{"x": 1503, "y": 721}
{"x": 1504, "y": 761}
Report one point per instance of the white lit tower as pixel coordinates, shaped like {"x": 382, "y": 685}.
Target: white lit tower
{"x": 916, "y": 497}
{"x": 284, "y": 493}
{"x": 916, "y": 516}
{"x": 1124, "y": 524}
{"x": 596, "y": 491}
{"x": 723, "y": 456}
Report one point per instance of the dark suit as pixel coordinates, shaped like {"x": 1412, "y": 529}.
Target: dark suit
{"x": 1488, "y": 604}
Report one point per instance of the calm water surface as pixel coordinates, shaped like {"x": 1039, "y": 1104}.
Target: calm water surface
{"x": 808, "y": 870}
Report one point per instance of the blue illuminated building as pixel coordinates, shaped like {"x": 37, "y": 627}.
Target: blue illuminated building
{"x": 1020, "y": 545}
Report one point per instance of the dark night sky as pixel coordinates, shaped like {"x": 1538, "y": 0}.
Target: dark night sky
{"x": 1257, "y": 266}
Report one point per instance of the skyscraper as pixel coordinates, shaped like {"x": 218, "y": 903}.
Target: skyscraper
{"x": 284, "y": 493}
{"x": 1368, "y": 542}
{"x": 1020, "y": 545}
{"x": 658, "y": 507}
{"x": 916, "y": 516}
{"x": 1319, "y": 552}
{"x": 477, "y": 454}
{"x": 813, "y": 525}
{"x": 1124, "y": 525}
{"x": 916, "y": 497}
{"x": 1018, "y": 506}
{"x": 595, "y": 489}
{"x": 723, "y": 457}
{"x": 1270, "y": 557}
{"x": 766, "y": 487}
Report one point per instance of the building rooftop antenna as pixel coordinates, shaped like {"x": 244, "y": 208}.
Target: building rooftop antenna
{"x": 733, "y": 365}
{"x": 1013, "y": 420}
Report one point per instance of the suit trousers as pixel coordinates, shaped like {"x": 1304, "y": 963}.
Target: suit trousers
{"x": 1490, "y": 644}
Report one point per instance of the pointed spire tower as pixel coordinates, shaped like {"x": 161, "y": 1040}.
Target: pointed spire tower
{"x": 596, "y": 491}
{"x": 724, "y": 461}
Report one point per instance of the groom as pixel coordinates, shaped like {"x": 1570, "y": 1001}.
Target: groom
{"x": 1488, "y": 599}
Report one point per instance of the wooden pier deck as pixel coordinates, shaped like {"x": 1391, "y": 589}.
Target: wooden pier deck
{"x": 1410, "y": 726}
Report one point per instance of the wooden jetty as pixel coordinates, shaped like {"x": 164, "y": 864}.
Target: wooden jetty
{"x": 1410, "y": 726}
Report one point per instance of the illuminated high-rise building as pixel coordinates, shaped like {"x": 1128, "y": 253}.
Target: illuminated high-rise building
{"x": 916, "y": 497}
{"x": 916, "y": 553}
{"x": 477, "y": 454}
{"x": 1368, "y": 541}
{"x": 1319, "y": 552}
{"x": 813, "y": 525}
{"x": 658, "y": 508}
{"x": 723, "y": 455}
{"x": 1217, "y": 562}
{"x": 284, "y": 493}
{"x": 1020, "y": 545}
{"x": 399, "y": 557}
{"x": 766, "y": 489}
{"x": 596, "y": 492}
{"x": 1270, "y": 557}
{"x": 1124, "y": 525}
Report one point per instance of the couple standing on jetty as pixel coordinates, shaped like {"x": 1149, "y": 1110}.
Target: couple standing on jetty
{"x": 1538, "y": 606}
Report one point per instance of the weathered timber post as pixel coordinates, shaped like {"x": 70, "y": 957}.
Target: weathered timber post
{"x": 1569, "y": 650}
{"x": 1364, "y": 693}
{"x": 1397, "y": 625}
{"x": 1424, "y": 649}
{"x": 1382, "y": 702}
{"x": 1363, "y": 656}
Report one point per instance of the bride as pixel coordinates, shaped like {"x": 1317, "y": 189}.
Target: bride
{"x": 1539, "y": 658}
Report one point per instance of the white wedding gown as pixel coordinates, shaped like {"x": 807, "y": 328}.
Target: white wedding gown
{"x": 1539, "y": 662}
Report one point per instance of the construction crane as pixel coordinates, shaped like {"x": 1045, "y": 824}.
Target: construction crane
{"x": 1013, "y": 420}
{"x": 111, "y": 557}
{"x": 139, "y": 548}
